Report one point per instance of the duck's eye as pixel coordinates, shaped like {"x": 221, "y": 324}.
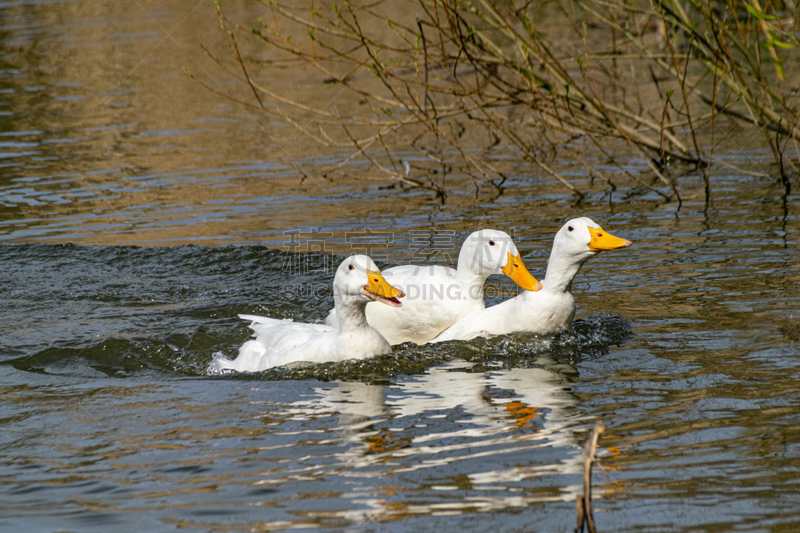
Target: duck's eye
{"x": 491, "y": 243}
{"x": 351, "y": 267}
{"x": 570, "y": 228}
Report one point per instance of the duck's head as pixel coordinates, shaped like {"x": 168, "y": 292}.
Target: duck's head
{"x": 358, "y": 278}
{"x": 490, "y": 251}
{"x": 583, "y": 238}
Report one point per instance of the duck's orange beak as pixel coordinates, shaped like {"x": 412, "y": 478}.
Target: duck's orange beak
{"x": 379, "y": 290}
{"x": 605, "y": 241}
{"x": 515, "y": 269}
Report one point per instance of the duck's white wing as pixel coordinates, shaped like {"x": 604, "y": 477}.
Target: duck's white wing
{"x": 287, "y": 332}
{"x": 471, "y": 326}
{"x": 540, "y": 312}
{"x": 500, "y": 319}
{"x": 276, "y": 342}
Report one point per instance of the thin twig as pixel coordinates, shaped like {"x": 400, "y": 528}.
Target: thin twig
{"x": 585, "y": 513}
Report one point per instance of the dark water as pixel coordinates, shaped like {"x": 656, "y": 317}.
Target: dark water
{"x": 687, "y": 344}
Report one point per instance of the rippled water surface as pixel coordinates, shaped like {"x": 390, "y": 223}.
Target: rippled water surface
{"x": 140, "y": 214}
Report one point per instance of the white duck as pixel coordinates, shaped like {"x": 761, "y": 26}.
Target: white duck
{"x": 438, "y": 296}
{"x": 279, "y": 342}
{"x": 542, "y": 312}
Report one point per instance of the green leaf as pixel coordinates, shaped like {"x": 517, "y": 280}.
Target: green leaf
{"x": 769, "y": 44}
{"x": 781, "y": 44}
{"x": 758, "y": 14}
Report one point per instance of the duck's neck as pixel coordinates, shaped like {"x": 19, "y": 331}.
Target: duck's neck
{"x": 562, "y": 267}
{"x": 351, "y": 313}
{"x": 470, "y": 274}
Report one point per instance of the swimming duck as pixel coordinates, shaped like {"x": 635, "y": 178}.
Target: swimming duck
{"x": 542, "y": 312}
{"x": 279, "y": 342}
{"x": 439, "y": 296}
